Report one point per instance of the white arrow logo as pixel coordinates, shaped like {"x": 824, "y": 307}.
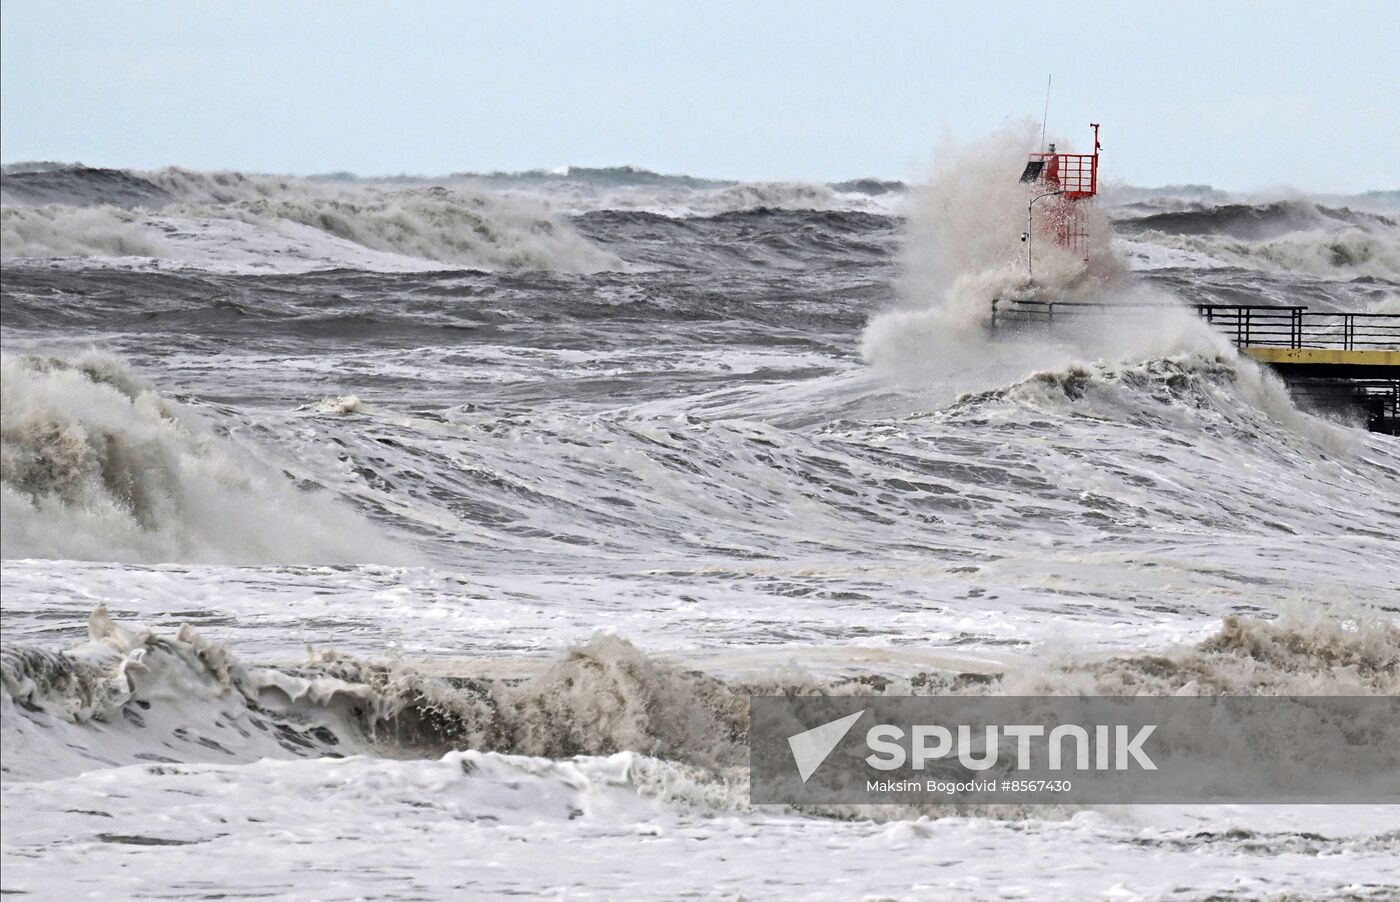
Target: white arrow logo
{"x": 810, "y": 748}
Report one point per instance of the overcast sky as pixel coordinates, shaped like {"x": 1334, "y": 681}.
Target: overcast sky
{"x": 1242, "y": 95}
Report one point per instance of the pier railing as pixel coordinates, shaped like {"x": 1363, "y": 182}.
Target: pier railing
{"x": 1259, "y": 326}
{"x": 1247, "y": 325}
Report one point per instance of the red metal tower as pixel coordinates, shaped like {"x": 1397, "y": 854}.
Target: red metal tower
{"x": 1070, "y": 180}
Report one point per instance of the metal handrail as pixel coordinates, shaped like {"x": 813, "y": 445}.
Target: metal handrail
{"x": 1248, "y": 325}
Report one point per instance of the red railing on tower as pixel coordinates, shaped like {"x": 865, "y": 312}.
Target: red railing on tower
{"x": 1074, "y": 178}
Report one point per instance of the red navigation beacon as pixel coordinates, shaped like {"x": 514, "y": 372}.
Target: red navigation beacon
{"x": 1067, "y": 181}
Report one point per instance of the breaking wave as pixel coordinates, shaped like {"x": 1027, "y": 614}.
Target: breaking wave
{"x": 1347, "y": 253}
{"x": 181, "y": 698}
{"x": 628, "y": 188}
{"x": 59, "y": 231}
{"x": 1280, "y": 237}
{"x": 233, "y": 221}
{"x": 963, "y": 248}
{"x": 128, "y": 695}
{"x": 1250, "y": 221}
{"x": 98, "y": 466}
{"x": 1221, "y": 395}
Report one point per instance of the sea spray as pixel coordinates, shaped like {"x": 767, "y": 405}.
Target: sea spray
{"x": 963, "y": 248}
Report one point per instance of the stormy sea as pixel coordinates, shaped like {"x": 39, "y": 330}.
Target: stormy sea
{"x": 425, "y": 537}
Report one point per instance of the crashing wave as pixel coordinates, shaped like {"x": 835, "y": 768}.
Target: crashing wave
{"x": 1292, "y": 236}
{"x": 963, "y": 248}
{"x": 96, "y": 465}
{"x": 743, "y": 197}
{"x": 129, "y": 692}
{"x": 61, "y": 231}
{"x": 1347, "y": 252}
{"x": 183, "y": 698}
{"x": 1249, "y": 221}
{"x": 230, "y": 220}
{"x": 1220, "y": 394}
{"x": 628, "y": 188}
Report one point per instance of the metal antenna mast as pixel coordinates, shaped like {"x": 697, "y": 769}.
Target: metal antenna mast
{"x": 1046, "y": 118}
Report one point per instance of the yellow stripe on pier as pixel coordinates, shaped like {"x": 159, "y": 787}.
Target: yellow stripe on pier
{"x": 1324, "y": 355}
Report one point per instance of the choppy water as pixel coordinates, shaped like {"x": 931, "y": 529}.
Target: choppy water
{"x": 551, "y": 470}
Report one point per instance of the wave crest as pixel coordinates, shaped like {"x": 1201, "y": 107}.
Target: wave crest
{"x": 233, "y": 221}
{"x": 129, "y": 691}
{"x": 96, "y": 465}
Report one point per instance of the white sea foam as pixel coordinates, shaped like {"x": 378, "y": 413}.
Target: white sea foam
{"x": 344, "y": 404}
{"x": 99, "y": 466}
{"x": 128, "y": 694}
{"x": 234, "y": 222}
{"x": 1340, "y": 253}
{"x": 486, "y": 826}
{"x": 59, "y": 231}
